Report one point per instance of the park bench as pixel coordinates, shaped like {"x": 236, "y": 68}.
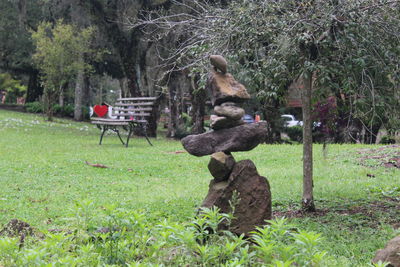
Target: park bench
{"x": 131, "y": 114}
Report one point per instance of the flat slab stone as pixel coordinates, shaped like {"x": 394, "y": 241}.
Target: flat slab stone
{"x": 219, "y": 122}
{"x": 224, "y": 88}
{"x": 254, "y": 198}
{"x": 230, "y": 110}
{"x": 240, "y": 138}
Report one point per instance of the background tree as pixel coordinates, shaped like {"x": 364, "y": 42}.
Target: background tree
{"x": 341, "y": 48}
{"x": 16, "y": 47}
{"x": 58, "y": 55}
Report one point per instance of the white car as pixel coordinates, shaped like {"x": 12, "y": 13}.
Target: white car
{"x": 290, "y": 121}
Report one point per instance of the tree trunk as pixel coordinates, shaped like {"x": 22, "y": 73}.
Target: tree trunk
{"x": 34, "y": 90}
{"x": 126, "y": 43}
{"x": 61, "y": 97}
{"x": 198, "y": 96}
{"x": 155, "y": 115}
{"x": 87, "y": 97}
{"x": 130, "y": 70}
{"x": 49, "y": 98}
{"x": 173, "y": 104}
{"x": 123, "y": 85}
{"x": 78, "y": 116}
{"x": 308, "y": 198}
{"x": 22, "y": 13}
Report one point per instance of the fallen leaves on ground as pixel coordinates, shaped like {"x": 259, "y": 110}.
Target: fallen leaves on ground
{"x": 96, "y": 165}
{"x": 176, "y": 152}
{"x": 387, "y": 156}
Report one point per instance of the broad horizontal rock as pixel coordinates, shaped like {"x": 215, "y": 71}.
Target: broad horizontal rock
{"x": 220, "y": 166}
{"x": 253, "y": 205}
{"x": 224, "y": 88}
{"x": 218, "y": 122}
{"x": 229, "y": 110}
{"x": 240, "y": 138}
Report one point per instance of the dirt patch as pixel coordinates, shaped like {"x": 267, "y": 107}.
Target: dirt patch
{"x": 370, "y": 212}
{"x": 16, "y": 228}
{"x": 299, "y": 213}
{"x": 387, "y": 156}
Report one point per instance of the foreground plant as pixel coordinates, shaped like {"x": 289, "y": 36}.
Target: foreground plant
{"x": 119, "y": 237}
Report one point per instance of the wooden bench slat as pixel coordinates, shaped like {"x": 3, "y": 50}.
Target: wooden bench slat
{"x": 137, "y": 98}
{"x": 135, "y": 104}
{"x": 111, "y": 123}
{"x": 131, "y": 109}
{"x": 131, "y": 114}
{"x": 106, "y": 120}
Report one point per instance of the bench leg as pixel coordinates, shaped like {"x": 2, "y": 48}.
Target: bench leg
{"x": 145, "y": 134}
{"x": 122, "y": 141}
{"x": 129, "y": 135}
{"x": 104, "y": 129}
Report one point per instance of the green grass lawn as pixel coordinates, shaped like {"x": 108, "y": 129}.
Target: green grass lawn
{"x": 43, "y": 175}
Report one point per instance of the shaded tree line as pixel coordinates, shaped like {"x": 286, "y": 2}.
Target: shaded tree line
{"x": 349, "y": 48}
{"x": 127, "y": 56}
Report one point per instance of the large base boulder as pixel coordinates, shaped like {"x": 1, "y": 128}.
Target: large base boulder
{"x": 254, "y": 198}
{"x": 391, "y": 253}
{"x": 240, "y": 138}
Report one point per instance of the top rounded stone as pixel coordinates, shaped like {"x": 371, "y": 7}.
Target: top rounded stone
{"x": 219, "y": 63}
{"x": 222, "y": 86}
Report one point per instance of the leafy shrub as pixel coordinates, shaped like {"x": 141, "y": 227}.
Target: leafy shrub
{"x": 34, "y": 107}
{"x": 67, "y": 111}
{"x": 184, "y": 129}
{"x": 57, "y": 109}
{"x": 181, "y": 132}
{"x": 64, "y": 111}
{"x": 37, "y": 107}
{"x": 13, "y": 88}
{"x": 295, "y": 133}
{"x": 116, "y": 236}
{"x": 85, "y": 112}
{"x": 387, "y": 140}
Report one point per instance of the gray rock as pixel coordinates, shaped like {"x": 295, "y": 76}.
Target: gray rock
{"x": 240, "y": 138}
{"x": 391, "y": 253}
{"x": 224, "y": 88}
{"x": 218, "y": 123}
{"x": 220, "y": 166}
{"x": 254, "y": 198}
{"x": 229, "y": 110}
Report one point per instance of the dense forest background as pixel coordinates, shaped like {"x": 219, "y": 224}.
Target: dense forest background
{"x": 349, "y": 52}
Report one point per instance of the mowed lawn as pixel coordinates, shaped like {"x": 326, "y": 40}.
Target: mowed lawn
{"x": 43, "y": 175}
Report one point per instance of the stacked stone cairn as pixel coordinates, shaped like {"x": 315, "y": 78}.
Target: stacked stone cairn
{"x": 230, "y": 134}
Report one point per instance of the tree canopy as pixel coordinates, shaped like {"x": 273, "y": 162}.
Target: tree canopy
{"x": 59, "y": 52}
{"x": 349, "y": 47}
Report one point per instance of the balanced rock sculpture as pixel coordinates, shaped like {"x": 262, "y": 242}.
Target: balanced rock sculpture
{"x": 230, "y": 134}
